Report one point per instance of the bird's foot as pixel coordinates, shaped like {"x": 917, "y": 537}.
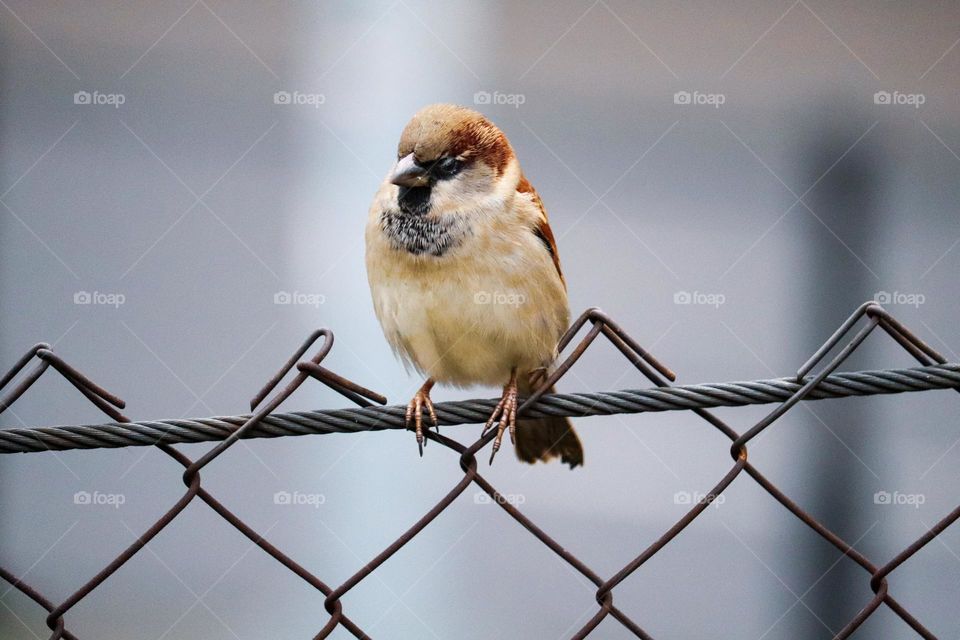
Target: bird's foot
{"x": 505, "y": 415}
{"x": 419, "y": 402}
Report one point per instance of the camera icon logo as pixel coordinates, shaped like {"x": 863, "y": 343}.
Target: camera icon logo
{"x": 282, "y": 497}
{"x": 81, "y": 97}
{"x": 681, "y": 297}
{"x": 281, "y": 97}
{"x": 82, "y": 297}
{"x": 881, "y": 97}
{"x": 883, "y": 297}
{"x": 282, "y": 297}
{"x": 81, "y": 497}
{"x": 682, "y": 97}
{"x": 882, "y": 497}
{"x": 682, "y": 497}
{"x": 481, "y": 97}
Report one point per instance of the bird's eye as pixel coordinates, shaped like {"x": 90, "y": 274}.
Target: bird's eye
{"x": 448, "y": 167}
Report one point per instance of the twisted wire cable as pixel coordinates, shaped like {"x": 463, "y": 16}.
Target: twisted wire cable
{"x": 682, "y": 397}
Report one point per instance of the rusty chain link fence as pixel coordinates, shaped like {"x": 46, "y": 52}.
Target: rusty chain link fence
{"x": 933, "y": 373}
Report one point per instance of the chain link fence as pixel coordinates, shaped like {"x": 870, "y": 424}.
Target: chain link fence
{"x": 933, "y": 373}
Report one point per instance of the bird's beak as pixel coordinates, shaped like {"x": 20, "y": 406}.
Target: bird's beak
{"x": 409, "y": 174}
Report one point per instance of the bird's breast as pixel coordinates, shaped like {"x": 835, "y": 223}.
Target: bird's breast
{"x": 472, "y": 313}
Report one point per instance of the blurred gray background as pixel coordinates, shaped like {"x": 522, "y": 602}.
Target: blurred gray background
{"x": 785, "y": 187}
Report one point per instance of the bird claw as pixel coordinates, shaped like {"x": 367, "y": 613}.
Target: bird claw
{"x": 420, "y": 401}
{"x": 505, "y": 416}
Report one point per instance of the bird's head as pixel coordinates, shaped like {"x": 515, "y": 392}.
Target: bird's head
{"x": 450, "y": 159}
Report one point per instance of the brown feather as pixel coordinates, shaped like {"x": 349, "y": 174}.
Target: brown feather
{"x": 542, "y": 439}
{"x": 543, "y": 230}
{"x": 449, "y": 130}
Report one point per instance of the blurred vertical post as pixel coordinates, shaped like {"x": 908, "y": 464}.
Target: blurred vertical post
{"x": 842, "y": 241}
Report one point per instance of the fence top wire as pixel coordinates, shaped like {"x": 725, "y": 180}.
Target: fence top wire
{"x": 934, "y": 373}
{"x": 657, "y": 399}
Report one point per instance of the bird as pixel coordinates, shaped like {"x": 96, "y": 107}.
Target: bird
{"x": 465, "y": 275}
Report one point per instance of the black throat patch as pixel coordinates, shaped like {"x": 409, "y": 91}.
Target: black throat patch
{"x": 420, "y": 234}
{"x": 414, "y": 201}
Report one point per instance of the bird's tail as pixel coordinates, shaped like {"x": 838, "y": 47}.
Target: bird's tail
{"x": 547, "y": 438}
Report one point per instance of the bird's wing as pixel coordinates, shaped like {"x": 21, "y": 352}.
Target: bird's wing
{"x": 542, "y": 229}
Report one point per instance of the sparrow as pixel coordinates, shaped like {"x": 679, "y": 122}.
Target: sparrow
{"x": 465, "y": 276}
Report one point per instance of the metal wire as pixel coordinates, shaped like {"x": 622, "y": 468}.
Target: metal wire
{"x": 695, "y": 396}
{"x": 934, "y": 373}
